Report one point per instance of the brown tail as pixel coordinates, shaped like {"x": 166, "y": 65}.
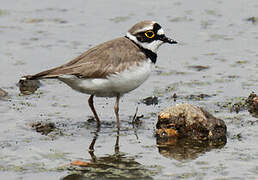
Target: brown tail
{"x": 42, "y": 75}
{"x": 29, "y": 84}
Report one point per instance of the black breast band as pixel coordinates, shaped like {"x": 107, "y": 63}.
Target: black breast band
{"x": 148, "y": 53}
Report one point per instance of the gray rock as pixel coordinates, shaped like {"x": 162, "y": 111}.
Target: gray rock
{"x": 28, "y": 87}
{"x": 252, "y": 104}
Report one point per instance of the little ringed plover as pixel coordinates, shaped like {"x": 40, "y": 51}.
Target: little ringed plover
{"x": 112, "y": 68}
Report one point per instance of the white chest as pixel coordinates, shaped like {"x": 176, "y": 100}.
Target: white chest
{"x": 118, "y": 83}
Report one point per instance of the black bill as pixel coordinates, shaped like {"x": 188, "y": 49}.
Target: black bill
{"x": 167, "y": 40}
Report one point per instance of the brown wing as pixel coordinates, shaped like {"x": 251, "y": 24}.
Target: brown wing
{"x": 100, "y": 61}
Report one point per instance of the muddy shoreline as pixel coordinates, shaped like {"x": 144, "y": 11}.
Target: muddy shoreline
{"x": 214, "y": 66}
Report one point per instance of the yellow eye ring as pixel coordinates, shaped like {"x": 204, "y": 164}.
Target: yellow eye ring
{"x": 149, "y": 34}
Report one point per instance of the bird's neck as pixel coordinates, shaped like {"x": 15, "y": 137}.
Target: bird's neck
{"x": 148, "y": 53}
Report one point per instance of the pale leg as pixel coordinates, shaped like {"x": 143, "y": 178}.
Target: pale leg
{"x": 116, "y": 108}
{"x": 90, "y": 101}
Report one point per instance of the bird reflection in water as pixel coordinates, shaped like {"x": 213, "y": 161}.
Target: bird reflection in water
{"x": 115, "y": 166}
{"x": 96, "y": 134}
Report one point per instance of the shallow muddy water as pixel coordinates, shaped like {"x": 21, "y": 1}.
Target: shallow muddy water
{"x": 216, "y": 56}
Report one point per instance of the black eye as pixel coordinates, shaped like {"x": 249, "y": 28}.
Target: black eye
{"x": 149, "y": 34}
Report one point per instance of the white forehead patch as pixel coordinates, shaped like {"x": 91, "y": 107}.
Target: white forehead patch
{"x": 160, "y": 32}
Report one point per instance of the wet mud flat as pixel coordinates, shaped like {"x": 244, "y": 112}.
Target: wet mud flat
{"x": 47, "y": 134}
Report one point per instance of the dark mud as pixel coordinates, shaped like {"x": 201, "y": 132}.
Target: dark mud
{"x": 150, "y": 100}
{"x": 43, "y": 128}
{"x": 214, "y": 66}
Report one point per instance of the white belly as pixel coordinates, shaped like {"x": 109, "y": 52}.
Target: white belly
{"x": 113, "y": 85}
